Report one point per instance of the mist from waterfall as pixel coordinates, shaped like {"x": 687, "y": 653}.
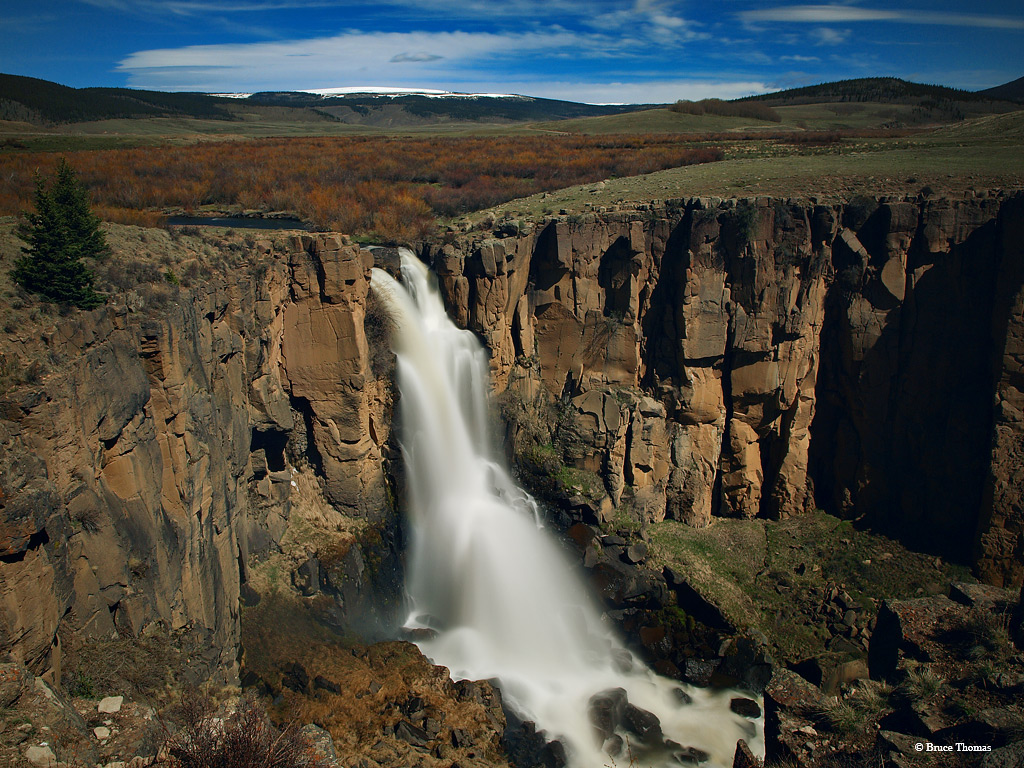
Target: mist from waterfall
{"x": 504, "y": 600}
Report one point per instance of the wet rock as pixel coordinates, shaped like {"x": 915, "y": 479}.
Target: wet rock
{"x": 613, "y": 745}
{"x": 554, "y": 755}
{"x": 643, "y": 724}
{"x": 745, "y": 708}
{"x": 700, "y": 671}
{"x": 622, "y": 659}
{"x": 681, "y": 697}
{"x": 687, "y": 755}
{"x": 525, "y": 746}
{"x": 744, "y": 758}
{"x": 606, "y": 711}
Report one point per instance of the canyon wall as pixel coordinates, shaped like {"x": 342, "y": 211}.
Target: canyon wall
{"x": 761, "y": 357}
{"x": 697, "y": 358}
{"x": 140, "y": 473}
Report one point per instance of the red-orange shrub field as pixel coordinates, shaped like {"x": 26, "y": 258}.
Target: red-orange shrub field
{"x": 392, "y": 188}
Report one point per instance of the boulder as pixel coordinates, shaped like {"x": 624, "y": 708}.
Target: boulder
{"x": 744, "y": 758}
{"x": 913, "y": 627}
{"x": 110, "y": 705}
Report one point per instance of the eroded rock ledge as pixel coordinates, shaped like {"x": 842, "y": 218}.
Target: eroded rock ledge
{"x": 139, "y": 475}
{"x": 700, "y": 358}
{"x": 763, "y": 357}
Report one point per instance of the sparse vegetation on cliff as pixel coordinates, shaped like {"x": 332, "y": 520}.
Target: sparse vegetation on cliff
{"x": 243, "y": 740}
{"x": 60, "y": 233}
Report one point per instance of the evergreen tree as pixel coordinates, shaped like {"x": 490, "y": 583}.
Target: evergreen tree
{"x": 60, "y": 233}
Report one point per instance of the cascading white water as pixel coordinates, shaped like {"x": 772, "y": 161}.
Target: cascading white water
{"x": 503, "y": 599}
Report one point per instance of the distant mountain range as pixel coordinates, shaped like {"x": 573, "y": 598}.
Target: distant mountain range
{"x": 41, "y": 102}
{"x": 37, "y": 101}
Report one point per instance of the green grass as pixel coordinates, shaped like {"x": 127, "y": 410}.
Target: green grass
{"x": 739, "y": 565}
{"x": 857, "y": 712}
{"x": 879, "y": 167}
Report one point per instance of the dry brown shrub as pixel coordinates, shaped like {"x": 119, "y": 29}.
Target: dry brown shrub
{"x": 244, "y": 739}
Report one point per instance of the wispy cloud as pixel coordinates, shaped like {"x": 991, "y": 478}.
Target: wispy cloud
{"x": 423, "y": 56}
{"x": 352, "y": 58}
{"x": 838, "y": 14}
{"x": 468, "y": 61}
{"x": 197, "y": 8}
{"x": 653, "y": 18}
{"x": 453, "y": 9}
{"x": 829, "y": 36}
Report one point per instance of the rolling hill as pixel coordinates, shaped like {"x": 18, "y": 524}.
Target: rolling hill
{"x": 32, "y": 100}
{"x": 1012, "y": 91}
{"x": 41, "y": 102}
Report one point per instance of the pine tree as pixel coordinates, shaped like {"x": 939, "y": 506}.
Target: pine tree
{"x": 60, "y": 233}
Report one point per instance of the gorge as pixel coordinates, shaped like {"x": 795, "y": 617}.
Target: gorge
{"x": 692, "y": 361}
{"x": 500, "y": 599}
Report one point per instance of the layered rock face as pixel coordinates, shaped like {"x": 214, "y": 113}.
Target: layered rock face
{"x": 701, "y": 357}
{"x": 137, "y": 476}
{"x": 762, "y": 357}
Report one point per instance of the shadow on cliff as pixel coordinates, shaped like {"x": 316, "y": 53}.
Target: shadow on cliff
{"x": 902, "y": 435}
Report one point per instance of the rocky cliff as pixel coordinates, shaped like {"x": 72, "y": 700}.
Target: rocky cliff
{"x": 686, "y": 359}
{"x": 763, "y": 357}
{"x": 148, "y": 461}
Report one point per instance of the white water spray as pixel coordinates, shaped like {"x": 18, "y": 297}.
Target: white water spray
{"x": 503, "y": 599}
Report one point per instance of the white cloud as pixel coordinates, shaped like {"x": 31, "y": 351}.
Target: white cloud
{"x": 651, "y": 17}
{"x": 829, "y": 36}
{"x": 353, "y": 58}
{"x": 457, "y": 61}
{"x": 450, "y": 9}
{"x": 835, "y": 14}
{"x": 422, "y": 56}
{"x": 798, "y": 57}
{"x": 201, "y": 7}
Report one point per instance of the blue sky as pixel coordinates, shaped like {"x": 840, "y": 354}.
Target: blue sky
{"x": 595, "y": 51}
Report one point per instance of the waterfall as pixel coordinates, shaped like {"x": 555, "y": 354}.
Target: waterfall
{"x": 502, "y": 598}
